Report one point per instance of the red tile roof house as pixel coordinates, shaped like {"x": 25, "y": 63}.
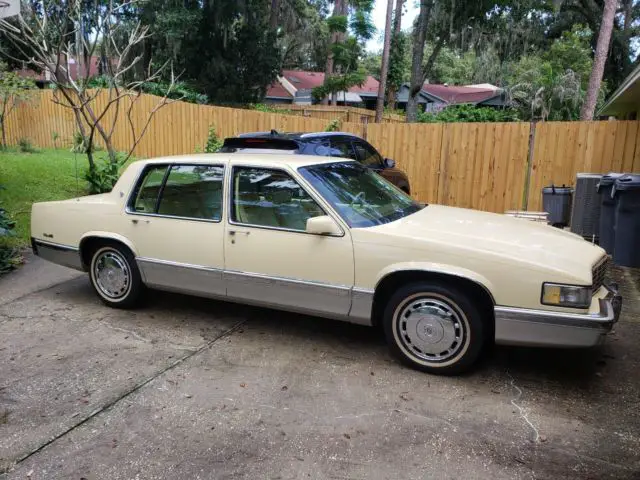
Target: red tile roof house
{"x": 43, "y": 78}
{"x": 295, "y": 86}
{"x": 434, "y": 97}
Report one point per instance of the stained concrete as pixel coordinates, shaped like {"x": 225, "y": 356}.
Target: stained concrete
{"x": 191, "y": 388}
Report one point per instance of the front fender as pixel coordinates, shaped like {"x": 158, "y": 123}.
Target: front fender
{"x": 430, "y": 267}
{"x": 112, "y": 236}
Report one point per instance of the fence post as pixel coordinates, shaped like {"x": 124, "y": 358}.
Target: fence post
{"x": 527, "y": 178}
{"x": 365, "y": 125}
{"x": 443, "y": 183}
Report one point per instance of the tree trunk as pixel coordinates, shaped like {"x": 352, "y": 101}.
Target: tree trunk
{"x": 432, "y": 58}
{"x": 602, "y": 48}
{"x": 335, "y": 36}
{"x": 419, "y": 38}
{"x": 397, "y": 28}
{"x": 273, "y": 14}
{"x": 384, "y": 70}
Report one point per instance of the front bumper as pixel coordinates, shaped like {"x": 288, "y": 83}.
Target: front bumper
{"x": 544, "y": 328}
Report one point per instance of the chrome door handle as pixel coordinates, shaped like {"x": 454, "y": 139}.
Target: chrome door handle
{"x": 239, "y": 232}
{"x": 135, "y": 221}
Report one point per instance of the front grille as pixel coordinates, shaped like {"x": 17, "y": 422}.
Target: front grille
{"x": 599, "y": 272}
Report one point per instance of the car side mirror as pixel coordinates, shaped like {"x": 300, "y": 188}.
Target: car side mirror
{"x": 323, "y": 225}
{"x": 389, "y": 163}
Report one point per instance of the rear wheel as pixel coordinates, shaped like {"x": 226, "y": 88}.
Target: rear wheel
{"x": 434, "y": 328}
{"x": 115, "y": 276}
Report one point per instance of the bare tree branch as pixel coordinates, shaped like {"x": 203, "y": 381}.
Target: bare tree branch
{"x": 56, "y": 34}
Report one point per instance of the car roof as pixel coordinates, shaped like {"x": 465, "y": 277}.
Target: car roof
{"x": 297, "y": 135}
{"x": 254, "y": 159}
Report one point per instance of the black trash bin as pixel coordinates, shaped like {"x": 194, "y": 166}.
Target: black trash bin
{"x": 607, "y": 211}
{"x": 556, "y": 201}
{"x": 626, "y": 251}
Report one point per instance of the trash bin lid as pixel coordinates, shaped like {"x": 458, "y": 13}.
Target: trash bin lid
{"x": 630, "y": 181}
{"x": 552, "y": 189}
{"x": 608, "y": 179}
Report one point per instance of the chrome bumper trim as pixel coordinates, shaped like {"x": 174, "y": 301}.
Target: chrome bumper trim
{"x": 520, "y": 326}
{"x": 64, "y": 255}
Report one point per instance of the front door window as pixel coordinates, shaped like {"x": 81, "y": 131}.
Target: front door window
{"x": 271, "y": 198}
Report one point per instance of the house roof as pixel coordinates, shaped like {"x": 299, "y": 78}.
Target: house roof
{"x": 278, "y": 91}
{"x": 94, "y": 70}
{"x": 626, "y": 98}
{"x": 456, "y": 94}
{"x": 302, "y": 80}
{"x": 452, "y": 95}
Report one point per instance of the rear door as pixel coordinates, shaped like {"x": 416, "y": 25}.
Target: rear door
{"x": 174, "y": 219}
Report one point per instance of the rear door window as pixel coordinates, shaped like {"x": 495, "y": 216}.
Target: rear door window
{"x": 186, "y": 191}
{"x": 193, "y": 191}
{"x": 148, "y": 189}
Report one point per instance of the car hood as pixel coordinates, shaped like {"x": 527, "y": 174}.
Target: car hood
{"x": 449, "y": 230}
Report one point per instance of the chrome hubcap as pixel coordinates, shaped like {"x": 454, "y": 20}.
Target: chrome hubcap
{"x": 431, "y": 329}
{"x": 112, "y": 274}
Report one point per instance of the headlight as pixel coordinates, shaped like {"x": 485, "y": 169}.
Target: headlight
{"x": 566, "y": 295}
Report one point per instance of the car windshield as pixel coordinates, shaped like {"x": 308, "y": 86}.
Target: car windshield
{"x": 361, "y": 197}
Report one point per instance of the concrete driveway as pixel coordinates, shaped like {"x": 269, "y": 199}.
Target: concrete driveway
{"x": 188, "y": 388}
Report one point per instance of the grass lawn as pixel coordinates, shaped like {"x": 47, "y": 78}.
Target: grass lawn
{"x": 37, "y": 177}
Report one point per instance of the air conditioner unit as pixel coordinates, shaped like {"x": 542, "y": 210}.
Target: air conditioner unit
{"x": 585, "y": 214}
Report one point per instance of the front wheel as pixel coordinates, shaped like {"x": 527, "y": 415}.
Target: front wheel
{"x": 434, "y": 328}
{"x": 115, "y": 276}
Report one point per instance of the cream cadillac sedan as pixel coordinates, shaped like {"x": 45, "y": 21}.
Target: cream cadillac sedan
{"x": 333, "y": 239}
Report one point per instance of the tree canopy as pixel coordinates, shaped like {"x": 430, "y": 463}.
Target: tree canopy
{"x": 229, "y": 52}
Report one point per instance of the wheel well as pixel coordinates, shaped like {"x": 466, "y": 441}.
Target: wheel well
{"x": 389, "y": 284}
{"x": 88, "y": 245}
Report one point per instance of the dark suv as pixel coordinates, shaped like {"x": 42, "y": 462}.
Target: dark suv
{"x": 326, "y": 144}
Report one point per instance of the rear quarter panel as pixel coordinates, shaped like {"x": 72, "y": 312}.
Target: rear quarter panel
{"x": 66, "y": 222}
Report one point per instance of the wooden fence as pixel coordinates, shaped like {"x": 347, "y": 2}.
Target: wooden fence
{"x": 486, "y": 166}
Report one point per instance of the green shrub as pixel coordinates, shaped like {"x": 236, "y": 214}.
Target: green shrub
{"x": 267, "y": 108}
{"x": 79, "y": 143}
{"x": 9, "y": 258}
{"x": 25, "y": 146}
{"x": 333, "y": 126}
{"x": 214, "y": 143}
{"x": 6, "y": 224}
{"x": 180, "y": 91}
{"x": 470, "y": 113}
{"x": 104, "y": 175}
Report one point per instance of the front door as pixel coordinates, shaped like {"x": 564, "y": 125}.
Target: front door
{"x": 269, "y": 257}
{"x": 174, "y": 219}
